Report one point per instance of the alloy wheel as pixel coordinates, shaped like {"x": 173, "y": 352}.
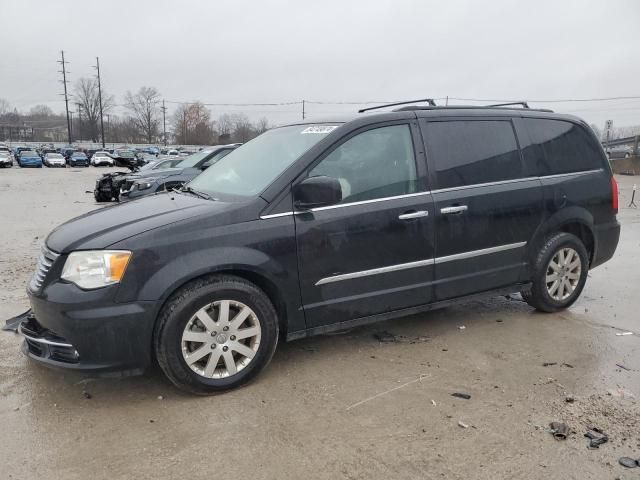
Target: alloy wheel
{"x": 563, "y": 273}
{"x": 221, "y": 339}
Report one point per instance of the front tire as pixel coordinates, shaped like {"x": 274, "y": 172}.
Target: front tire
{"x": 214, "y": 334}
{"x": 559, "y": 273}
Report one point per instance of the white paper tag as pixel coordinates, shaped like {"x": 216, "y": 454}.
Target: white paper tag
{"x": 323, "y": 129}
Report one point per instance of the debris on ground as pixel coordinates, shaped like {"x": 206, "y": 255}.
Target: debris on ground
{"x": 462, "y": 424}
{"x": 388, "y": 337}
{"x": 569, "y": 399}
{"x": 461, "y": 327}
{"x": 433, "y": 402}
{"x": 559, "y": 430}
{"x": 623, "y": 334}
{"x": 160, "y": 397}
{"x": 465, "y": 396}
{"x": 549, "y": 364}
{"x": 629, "y": 462}
{"x": 87, "y": 395}
{"x": 385, "y": 337}
{"x": 11, "y": 325}
{"x": 619, "y": 365}
{"x": 596, "y": 440}
{"x": 568, "y": 365}
{"x": 619, "y": 393}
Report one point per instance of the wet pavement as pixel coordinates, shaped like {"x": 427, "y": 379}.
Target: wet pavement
{"x": 338, "y": 406}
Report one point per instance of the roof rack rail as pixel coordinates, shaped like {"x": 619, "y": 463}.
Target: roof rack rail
{"x": 523, "y": 104}
{"x": 430, "y": 101}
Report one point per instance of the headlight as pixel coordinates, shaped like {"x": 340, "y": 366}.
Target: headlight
{"x": 145, "y": 184}
{"x": 95, "y": 269}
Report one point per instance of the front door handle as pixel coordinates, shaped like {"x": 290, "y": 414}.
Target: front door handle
{"x": 453, "y": 210}
{"x": 412, "y": 215}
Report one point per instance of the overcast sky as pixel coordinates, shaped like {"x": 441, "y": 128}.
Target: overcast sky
{"x": 375, "y": 50}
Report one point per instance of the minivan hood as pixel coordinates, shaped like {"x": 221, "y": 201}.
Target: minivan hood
{"x": 106, "y": 226}
{"x": 161, "y": 173}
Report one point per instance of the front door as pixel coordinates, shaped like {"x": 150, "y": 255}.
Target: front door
{"x": 486, "y": 209}
{"x": 372, "y": 252}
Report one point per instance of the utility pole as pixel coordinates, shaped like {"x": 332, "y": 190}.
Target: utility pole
{"x": 97, "y": 67}
{"x": 79, "y": 131}
{"x": 109, "y": 125}
{"x": 66, "y": 97}
{"x": 164, "y": 123}
{"x": 303, "y": 109}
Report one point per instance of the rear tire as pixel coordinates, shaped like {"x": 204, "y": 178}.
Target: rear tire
{"x": 559, "y": 273}
{"x": 221, "y": 355}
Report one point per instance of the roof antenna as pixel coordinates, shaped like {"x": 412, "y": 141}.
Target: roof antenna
{"x": 430, "y": 101}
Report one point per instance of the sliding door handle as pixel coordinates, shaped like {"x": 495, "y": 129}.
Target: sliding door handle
{"x": 453, "y": 210}
{"x": 412, "y": 215}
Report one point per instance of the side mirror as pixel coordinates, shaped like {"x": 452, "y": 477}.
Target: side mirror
{"x": 316, "y": 192}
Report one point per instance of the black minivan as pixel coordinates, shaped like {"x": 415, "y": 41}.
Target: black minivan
{"x": 319, "y": 226}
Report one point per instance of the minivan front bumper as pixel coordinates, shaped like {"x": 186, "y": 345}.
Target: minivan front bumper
{"x": 88, "y": 331}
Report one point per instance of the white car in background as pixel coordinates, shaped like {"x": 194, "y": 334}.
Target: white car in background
{"x": 6, "y": 159}
{"x": 100, "y": 159}
{"x": 54, "y": 160}
{"x": 173, "y": 153}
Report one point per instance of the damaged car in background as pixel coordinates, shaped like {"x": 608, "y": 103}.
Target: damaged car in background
{"x": 156, "y": 176}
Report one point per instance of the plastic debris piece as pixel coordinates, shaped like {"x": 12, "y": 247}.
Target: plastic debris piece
{"x": 465, "y": 396}
{"x": 623, "y": 334}
{"x": 569, "y": 399}
{"x": 596, "y": 440}
{"x": 628, "y": 462}
{"x": 461, "y": 327}
{"x": 568, "y": 365}
{"x": 549, "y": 364}
{"x": 462, "y": 424}
{"x": 434, "y": 403}
{"x": 559, "y": 430}
{"x": 623, "y": 367}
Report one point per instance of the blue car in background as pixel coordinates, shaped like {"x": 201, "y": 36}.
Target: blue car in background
{"x": 78, "y": 159}
{"x": 29, "y": 158}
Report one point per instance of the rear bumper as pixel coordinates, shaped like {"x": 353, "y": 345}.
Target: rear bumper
{"x": 89, "y": 331}
{"x": 607, "y": 237}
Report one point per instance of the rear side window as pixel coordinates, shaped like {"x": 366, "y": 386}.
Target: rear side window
{"x": 473, "y": 152}
{"x": 560, "y": 147}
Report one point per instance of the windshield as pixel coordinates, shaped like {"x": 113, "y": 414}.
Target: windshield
{"x": 78, "y": 154}
{"x": 248, "y": 170}
{"x": 54, "y": 155}
{"x": 124, "y": 153}
{"x": 191, "y": 160}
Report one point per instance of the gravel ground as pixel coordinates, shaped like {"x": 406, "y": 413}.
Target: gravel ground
{"x": 339, "y": 406}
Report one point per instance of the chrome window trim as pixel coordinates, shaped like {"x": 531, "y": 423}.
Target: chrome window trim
{"x": 428, "y": 192}
{"x": 571, "y": 174}
{"x": 419, "y": 263}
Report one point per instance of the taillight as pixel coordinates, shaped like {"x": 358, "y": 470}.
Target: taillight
{"x": 614, "y": 195}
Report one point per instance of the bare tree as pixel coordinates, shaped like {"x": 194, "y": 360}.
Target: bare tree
{"x": 144, "y": 106}
{"x": 41, "y": 111}
{"x": 86, "y": 95}
{"x": 192, "y": 125}
{"x": 5, "y": 106}
{"x": 262, "y": 125}
{"x": 242, "y": 128}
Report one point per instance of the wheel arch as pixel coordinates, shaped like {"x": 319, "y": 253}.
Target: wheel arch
{"x": 574, "y": 220}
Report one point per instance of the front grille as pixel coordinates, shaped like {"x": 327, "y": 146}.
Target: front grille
{"x": 45, "y": 261}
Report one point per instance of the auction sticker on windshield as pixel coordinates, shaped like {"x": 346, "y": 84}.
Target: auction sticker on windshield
{"x": 320, "y": 129}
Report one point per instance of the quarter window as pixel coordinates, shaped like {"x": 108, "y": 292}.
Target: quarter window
{"x": 377, "y": 163}
{"x": 560, "y": 147}
{"x": 473, "y": 152}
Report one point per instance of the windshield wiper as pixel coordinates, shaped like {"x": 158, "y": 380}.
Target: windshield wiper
{"x": 197, "y": 193}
